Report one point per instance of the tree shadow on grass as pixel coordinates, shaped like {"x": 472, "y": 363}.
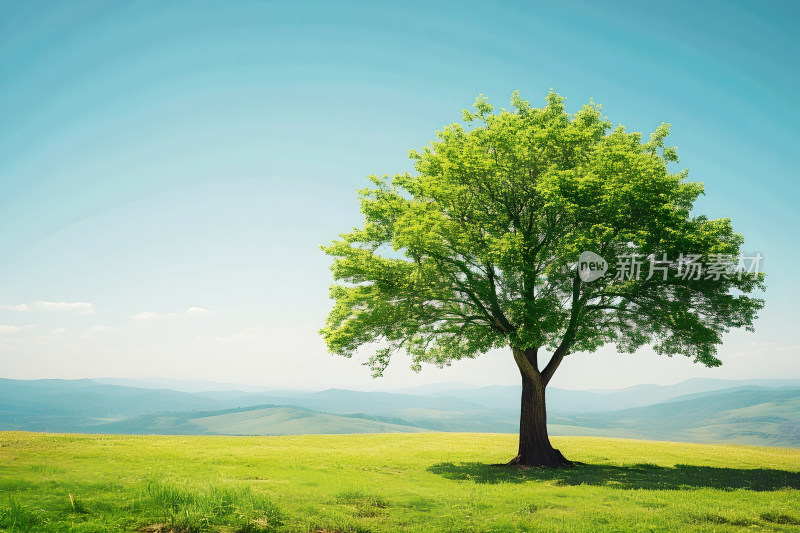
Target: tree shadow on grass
{"x": 639, "y": 476}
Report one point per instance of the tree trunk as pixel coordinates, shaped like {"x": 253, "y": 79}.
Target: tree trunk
{"x": 534, "y": 444}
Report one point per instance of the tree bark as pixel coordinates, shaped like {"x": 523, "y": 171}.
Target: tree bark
{"x": 534, "y": 443}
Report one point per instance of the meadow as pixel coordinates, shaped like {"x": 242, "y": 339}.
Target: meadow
{"x": 420, "y": 482}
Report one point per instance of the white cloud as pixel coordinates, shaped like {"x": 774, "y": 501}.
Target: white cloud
{"x": 12, "y": 330}
{"x": 149, "y": 315}
{"x": 84, "y": 308}
{"x": 99, "y": 332}
{"x": 20, "y": 307}
{"x": 58, "y": 331}
{"x": 191, "y": 312}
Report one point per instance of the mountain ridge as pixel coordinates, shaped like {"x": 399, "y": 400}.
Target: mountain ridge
{"x": 751, "y": 411}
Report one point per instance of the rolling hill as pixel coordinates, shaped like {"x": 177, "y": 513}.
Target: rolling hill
{"x": 257, "y": 420}
{"x": 759, "y": 412}
{"x": 745, "y": 415}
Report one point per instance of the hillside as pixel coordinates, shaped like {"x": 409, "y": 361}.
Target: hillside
{"x": 83, "y": 405}
{"x": 581, "y": 401}
{"x": 759, "y": 412}
{"x": 743, "y": 415}
{"x": 387, "y": 484}
{"x": 259, "y": 420}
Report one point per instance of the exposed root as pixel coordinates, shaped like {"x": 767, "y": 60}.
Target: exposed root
{"x": 555, "y": 459}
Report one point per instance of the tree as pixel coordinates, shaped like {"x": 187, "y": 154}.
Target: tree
{"x": 480, "y": 250}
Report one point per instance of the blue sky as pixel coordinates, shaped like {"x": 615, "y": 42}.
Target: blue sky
{"x": 168, "y": 170}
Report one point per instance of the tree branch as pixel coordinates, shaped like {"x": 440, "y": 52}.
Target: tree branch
{"x": 495, "y": 305}
{"x": 569, "y": 334}
{"x": 527, "y": 363}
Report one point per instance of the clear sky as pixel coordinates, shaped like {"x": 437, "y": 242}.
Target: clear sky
{"x": 168, "y": 170}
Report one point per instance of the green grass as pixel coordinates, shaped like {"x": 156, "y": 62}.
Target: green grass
{"x": 394, "y": 482}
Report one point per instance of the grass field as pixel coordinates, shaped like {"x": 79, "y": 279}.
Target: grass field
{"x": 392, "y": 482}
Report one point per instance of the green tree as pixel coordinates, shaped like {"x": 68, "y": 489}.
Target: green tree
{"x": 478, "y": 250}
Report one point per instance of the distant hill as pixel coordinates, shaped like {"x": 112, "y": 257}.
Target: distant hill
{"x": 743, "y": 415}
{"x": 580, "y": 401}
{"x": 182, "y": 385}
{"x": 765, "y": 412}
{"x": 258, "y": 420}
{"x": 81, "y": 405}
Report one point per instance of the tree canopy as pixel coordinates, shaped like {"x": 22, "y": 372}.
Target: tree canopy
{"x": 478, "y": 248}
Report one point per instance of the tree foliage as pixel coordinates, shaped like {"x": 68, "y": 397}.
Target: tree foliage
{"x": 477, "y": 249}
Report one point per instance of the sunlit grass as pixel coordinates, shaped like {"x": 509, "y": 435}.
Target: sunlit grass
{"x": 394, "y": 482}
